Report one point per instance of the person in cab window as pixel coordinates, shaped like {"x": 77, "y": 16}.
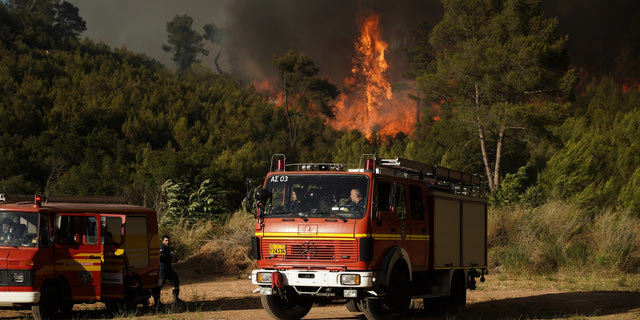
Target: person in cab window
{"x": 7, "y": 231}
{"x": 294, "y": 205}
{"x": 356, "y": 198}
{"x": 110, "y": 246}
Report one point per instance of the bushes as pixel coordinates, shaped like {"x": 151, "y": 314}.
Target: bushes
{"x": 560, "y": 236}
{"x": 189, "y": 238}
{"x": 616, "y": 244}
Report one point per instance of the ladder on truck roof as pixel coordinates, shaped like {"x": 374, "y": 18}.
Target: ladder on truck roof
{"x": 439, "y": 177}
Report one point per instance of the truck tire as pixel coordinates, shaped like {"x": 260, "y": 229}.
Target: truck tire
{"x": 66, "y": 306}
{"x": 458, "y": 295}
{"x": 47, "y": 307}
{"x": 290, "y": 306}
{"x": 354, "y": 305}
{"x": 396, "y": 301}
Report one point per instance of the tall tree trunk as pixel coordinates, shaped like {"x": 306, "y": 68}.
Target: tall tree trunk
{"x": 216, "y": 62}
{"x": 292, "y": 131}
{"x": 496, "y": 170}
{"x": 485, "y": 157}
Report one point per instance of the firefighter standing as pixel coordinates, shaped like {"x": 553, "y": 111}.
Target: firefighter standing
{"x": 167, "y": 272}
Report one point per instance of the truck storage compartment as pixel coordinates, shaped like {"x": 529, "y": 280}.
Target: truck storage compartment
{"x": 459, "y": 230}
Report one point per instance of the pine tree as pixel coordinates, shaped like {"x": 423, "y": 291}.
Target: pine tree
{"x": 497, "y": 64}
{"x": 184, "y": 42}
{"x": 305, "y": 93}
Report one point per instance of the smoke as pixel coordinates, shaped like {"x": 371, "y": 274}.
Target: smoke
{"x": 254, "y": 30}
{"x": 598, "y": 30}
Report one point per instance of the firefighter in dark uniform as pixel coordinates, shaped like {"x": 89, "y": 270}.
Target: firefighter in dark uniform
{"x": 167, "y": 272}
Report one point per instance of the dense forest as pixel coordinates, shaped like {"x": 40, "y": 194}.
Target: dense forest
{"x": 80, "y": 118}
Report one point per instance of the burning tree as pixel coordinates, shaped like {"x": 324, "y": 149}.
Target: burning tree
{"x": 368, "y": 103}
{"x": 501, "y": 65}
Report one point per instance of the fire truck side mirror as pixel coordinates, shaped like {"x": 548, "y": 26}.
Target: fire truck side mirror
{"x": 248, "y": 203}
{"x": 262, "y": 195}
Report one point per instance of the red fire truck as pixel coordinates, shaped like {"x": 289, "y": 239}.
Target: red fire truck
{"x": 54, "y": 254}
{"x": 376, "y": 236}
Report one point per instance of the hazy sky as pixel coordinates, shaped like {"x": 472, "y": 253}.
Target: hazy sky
{"x": 254, "y": 30}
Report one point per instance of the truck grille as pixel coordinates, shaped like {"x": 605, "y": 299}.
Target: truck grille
{"x": 7, "y": 280}
{"x": 314, "y": 250}
{"x": 4, "y": 277}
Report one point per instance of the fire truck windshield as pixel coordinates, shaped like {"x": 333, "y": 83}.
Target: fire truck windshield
{"x": 317, "y": 195}
{"x": 19, "y": 229}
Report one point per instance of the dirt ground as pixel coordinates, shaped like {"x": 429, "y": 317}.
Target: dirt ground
{"x": 214, "y": 297}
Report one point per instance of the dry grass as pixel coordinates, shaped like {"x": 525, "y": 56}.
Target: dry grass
{"x": 563, "y": 281}
{"x": 559, "y": 237}
{"x": 212, "y": 249}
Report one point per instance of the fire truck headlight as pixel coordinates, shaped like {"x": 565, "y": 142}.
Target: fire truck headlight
{"x": 350, "y": 279}
{"x": 17, "y": 276}
{"x": 264, "y": 277}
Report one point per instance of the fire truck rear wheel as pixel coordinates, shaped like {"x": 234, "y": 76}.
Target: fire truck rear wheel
{"x": 48, "y": 306}
{"x": 292, "y": 307}
{"x": 458, "y": 297}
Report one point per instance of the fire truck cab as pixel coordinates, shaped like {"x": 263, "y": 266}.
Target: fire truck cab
{"x": 375, "y": 236}
{"x": 65, "y": 250}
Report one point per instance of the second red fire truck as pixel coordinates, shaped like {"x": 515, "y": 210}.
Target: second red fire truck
{"x": 58, "y": 253}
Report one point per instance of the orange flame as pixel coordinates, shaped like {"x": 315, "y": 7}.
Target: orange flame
{"x": 367, "y": 102}
{"x": 271, "y": 94}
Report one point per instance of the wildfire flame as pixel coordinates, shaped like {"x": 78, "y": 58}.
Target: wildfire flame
{"x": 372, "y": 65}
{"x": 367, "y": 102}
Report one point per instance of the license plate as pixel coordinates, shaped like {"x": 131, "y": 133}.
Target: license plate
{"x": 277, "y": 249}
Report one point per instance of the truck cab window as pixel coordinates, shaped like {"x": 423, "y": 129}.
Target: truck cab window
{"x": 317, "y": 196}
{"x": 416, "y": 204}
{"x": 400, "y": 202}
{"x": 76, "y": 230}
{"x": 112, "y": 225}
{"x": 382, "y": 196}
{"x": 19, "y": 229}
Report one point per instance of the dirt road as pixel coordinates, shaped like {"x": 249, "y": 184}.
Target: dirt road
{"x": 232, "y": 298}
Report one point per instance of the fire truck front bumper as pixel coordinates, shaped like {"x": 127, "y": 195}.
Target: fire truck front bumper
{"x": 13, "y": 298}
{"x": 313, "y": 282}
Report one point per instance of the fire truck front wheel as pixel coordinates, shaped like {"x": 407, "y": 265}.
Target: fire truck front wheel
{"x": 396, "y": 301}
{"x": 47, "y": 307}
{"x": 355, "y": 305}
{"x": 287, "y": 305}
